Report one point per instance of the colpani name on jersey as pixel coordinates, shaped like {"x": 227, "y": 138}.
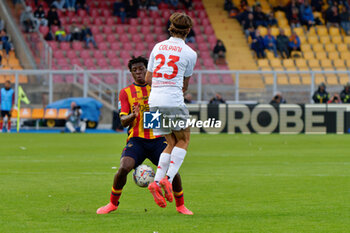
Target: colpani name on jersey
{"x": 210, "y": 123}
{"x": 170, "y": 48}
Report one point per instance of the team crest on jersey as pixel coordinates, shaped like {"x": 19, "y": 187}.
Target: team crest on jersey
{"x": 130, "y": 144}
{"x": 151, "y": 120}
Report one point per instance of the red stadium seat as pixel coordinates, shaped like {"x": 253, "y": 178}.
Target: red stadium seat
{"x": 146, "y": 22}
{"x": 65, "y": 46}
{"x": 110, "y": 21}
{"x": 77, "y": 45}
{"x": 62, "y": 62}
{"x": 75, "y": 61}
{"x": 134, "y": 21}
{"x": 200, "y": 38}
{"x": 109, "y": 79}
{"x": 124, "y": 38}
{"x": 99, "y": 38}
{"x": 227, "y": 79}
{"x": 107, "y": 12}
{"x": 82, "y": 13}
{"x": 140, "y": 46}
{"x": 85, "y": 54}
{"x": 115, "y": 46}
{"x": 71, "y": 54}
{"x": 162, "y": 37}
{"x": 133, "y": 29}
{"x": 89, "y": 63}
{"x": 111, "y": 38}
{"x": 154, "y": 14}
{"x": 203, "y": 46}
{"x": 124, "y": 55}
{"x": 136, "y": 38}
{"x": 149, "y": 38}
{"x": 58, "y": 54}
{"x": 108, "y": 29}
{"x": 102, "y": 63}
{"x": 103, "y": 46}
{"x": 115, "y": 63}
{"x": 98, "y": 21}
{"x": 158, "y": 22}
{"x": 202, "y": 14}
{"x": 120, "y": 29}
{"x": 142, "y": 14}
{"x": 95, "y": 30}
{"x": 111, "y": 54}
{"x": 98, "y": 54}
{"x": 127, "y": 46}
{"x": 166, "y": 14}
{"x": 44, "y": 30}
{"x": 145, "y": 30}
{"x": 53, "y": 45}
{"x": 158, "y": 30}
{"x": 163, "y": 6}
{"x": 94, "y": 13}
{"x": 208, "y": 30}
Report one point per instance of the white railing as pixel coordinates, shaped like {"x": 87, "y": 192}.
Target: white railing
{"x": 90, "y": 81}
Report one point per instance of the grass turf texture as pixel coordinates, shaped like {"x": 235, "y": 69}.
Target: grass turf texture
{"x": 233, "y": 183}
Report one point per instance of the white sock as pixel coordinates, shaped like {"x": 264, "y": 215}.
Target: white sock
{"x": 163, "y": 165}
{"x": 177, "y": 157}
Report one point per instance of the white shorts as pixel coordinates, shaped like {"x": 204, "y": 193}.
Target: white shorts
{"x": 175, "y": 119}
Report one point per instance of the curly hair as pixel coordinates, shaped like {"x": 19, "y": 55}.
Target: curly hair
{"x": 135, "y": 60}
{"x": 180, "y": 23}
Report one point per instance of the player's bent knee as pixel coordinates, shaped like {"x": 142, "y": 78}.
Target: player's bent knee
{"x": 123, "y": 171}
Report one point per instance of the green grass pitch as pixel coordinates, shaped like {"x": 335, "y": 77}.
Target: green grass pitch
{"x": 233, "y": 183}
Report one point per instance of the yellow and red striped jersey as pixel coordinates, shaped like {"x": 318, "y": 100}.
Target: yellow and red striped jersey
{"x": 130, "y": 96}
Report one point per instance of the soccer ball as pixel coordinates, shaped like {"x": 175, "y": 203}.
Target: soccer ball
{"x": 143, "y": 175}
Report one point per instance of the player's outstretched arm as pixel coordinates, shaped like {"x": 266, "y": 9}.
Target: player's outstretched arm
{"x": 149, "y": 78}
{"x": 126, "y": 120}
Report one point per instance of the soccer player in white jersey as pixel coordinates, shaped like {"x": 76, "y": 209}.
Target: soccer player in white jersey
{"x": 170, "y": 67}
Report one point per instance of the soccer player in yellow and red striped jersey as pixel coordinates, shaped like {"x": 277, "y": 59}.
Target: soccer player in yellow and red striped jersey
{"x": 141, "y": 143}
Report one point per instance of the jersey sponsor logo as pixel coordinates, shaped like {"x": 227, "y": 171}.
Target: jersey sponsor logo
{"x": 151, "y": 120}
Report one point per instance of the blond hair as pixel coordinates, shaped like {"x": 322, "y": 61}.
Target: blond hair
{"x": 180, "y": 23}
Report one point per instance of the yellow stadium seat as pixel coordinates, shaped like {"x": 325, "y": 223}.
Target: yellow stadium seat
{"x": 337, "y": 40}
{"x": 325, "y": 39}
{"x": 296, "y": 54}
{"x": 62, "y": 113}
{"x": 263, "y": 63}
{"x": 288, "y": 64}
{"x": 269, "y": 54}
{"x": 347, "y": 39}
{"x": 317, "y": 47}
{"x": 305, "y": 47}
{"x": 331, "y": 78}
{"x": 339, "y": 64}
{"x": 263, "y": 31}
{"x": 314, "y": 64}
{"x": 50, "y": 113}
{"x": 333, "y": 55}
{"x": 330, "y": 47}
{"x": 276, "y": 63}
{"x": 312, "y": 31}
{"x": 322, "y": 31}
{"x": 301, "y": 64}
{"x": 279, "y": 14}
{"x": 345, "y": 55}
{"x": 37, "y": 113}
{"x": 333, "y": 31}
{"x": 312, "y": 39}
{"x": 275, "y": 31}
{"x": 26, "y": 113}
{"x": 326, "y": 63}
{"x": 309, "y": 55}
{"x": 321, "y": 55}
{"x": 299, "y": 31}
{"x": 342, "y": 47}
{"x": 282, "y": 22}
{"x": 302, "y": 39}
{"x": 287, "y": 31}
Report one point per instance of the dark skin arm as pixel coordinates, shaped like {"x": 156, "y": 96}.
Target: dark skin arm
{"x": 186, "y": 82}
{"x": 149, "y": 78}
{"x": 126, "y": 120}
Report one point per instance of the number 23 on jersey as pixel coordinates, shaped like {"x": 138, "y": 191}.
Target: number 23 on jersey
{"x": 172, "y": 63}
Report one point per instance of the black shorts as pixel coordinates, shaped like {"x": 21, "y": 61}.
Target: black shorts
{"x": 140, "y": 149}
{"x": 5, "y": 113}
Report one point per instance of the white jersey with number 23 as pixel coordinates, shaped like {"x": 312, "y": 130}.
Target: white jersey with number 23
{"x": 170, "y": 61}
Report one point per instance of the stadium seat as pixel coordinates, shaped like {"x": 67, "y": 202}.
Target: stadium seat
{"x": 317, "y": 47}
{"x": 333, "y": 31}
{"x": 103, "y": 46}
{"x": 337, "y": 40}
{"x": 84, "y": 54}
{"x": 305, "y": 47}
{"x": 312, "y": 32}
{"x": 50, "y": 113}
{"x": 325, "y": 39}
{"x": 299, "y": 31}
{"x": 302, "y": 39}
{"x": 71, "y": 54}
{"x": 309, "y": 55}
{"x": 102, "y": 63}
{"x": 115, "y": 63}
{"x": 314, "y": 64}
{"x": 330, "y": 47}
{"x": 276, "y": 63}
{"x": 312, "y": 39}
{"x": 322, "y": 31}
{"x": 115, "y": 46}
{"x": 77, "y": 45}
{"x": 347, "y": 39}
{"x": 136, "y": 38}
{"x": 263, "y": 63}
{"x": 111, "y": 54}
{"x": 98, "y": 54}
{"x": 342, "y": 47}
{"x": 345, "y": 55}
{"x": 321, "y": 55}
{"x": 37, "y": 113}
{"x": 333, "y": 55}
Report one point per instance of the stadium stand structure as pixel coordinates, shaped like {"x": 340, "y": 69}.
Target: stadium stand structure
{"x": 117, "y": 42}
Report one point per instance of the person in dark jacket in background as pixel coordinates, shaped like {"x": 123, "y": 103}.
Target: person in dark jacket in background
{"x": 282, "y": 44}
{"x": 258, "y": 44}
{"x": 131, "y": 8}
{"x": 39, "y": 14}
{"x": 87, "y": 36}
{"x": 217, "y": 99}
{"x": 52, "y": 17}
{"x": 219, "y": 50}
{"x": 321, "y": 96}
{"x": 345, "y": 94}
